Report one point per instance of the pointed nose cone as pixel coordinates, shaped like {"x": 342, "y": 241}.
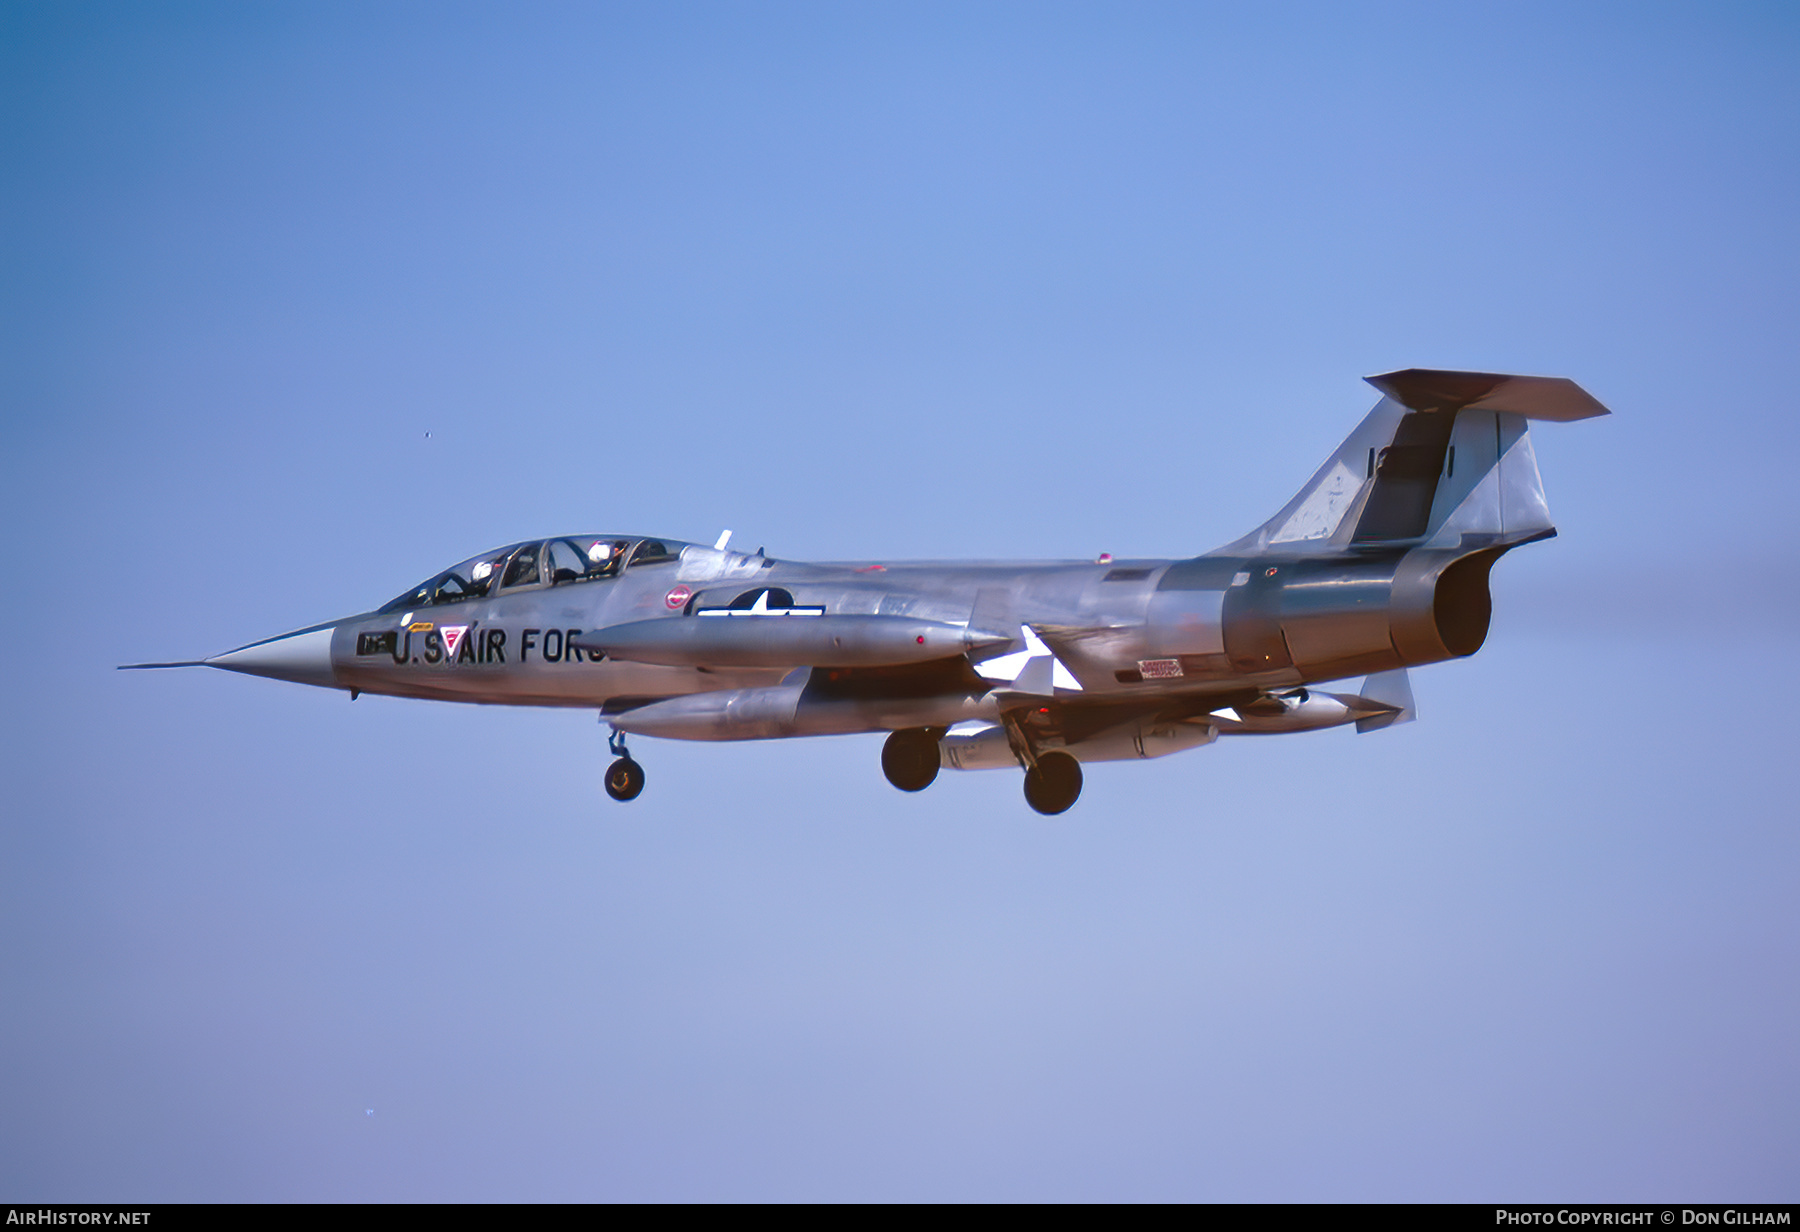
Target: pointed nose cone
{"x": 303, "y": 657}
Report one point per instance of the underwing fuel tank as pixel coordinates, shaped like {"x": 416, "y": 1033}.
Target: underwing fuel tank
{"x": 785, "y": 641}
{"x": 984, "y": 746}
{"x": 788, "y": 709}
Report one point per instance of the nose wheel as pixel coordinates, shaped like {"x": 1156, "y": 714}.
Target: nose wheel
{"x": 624, "y": 778}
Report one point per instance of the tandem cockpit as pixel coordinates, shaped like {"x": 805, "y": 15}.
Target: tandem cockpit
{"x": 541, "y": 563}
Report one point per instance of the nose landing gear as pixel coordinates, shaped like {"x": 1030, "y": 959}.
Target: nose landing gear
{"x": 624, "y": 778}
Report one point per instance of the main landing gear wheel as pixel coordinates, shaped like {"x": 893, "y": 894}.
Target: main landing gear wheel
{"x": 624, "y": 779}
{"x": 910, "y": 759}
{"x": 1054, "y": 783}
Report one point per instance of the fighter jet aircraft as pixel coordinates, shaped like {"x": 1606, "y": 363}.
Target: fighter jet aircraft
{"x": 1379, "y": 563}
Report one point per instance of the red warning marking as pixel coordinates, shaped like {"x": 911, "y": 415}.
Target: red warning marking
{"x": 677, "y": 599}
{"x": 452, "y": 635}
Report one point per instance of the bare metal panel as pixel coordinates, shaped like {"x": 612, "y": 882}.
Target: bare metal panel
{"x": 1184, "y": 622}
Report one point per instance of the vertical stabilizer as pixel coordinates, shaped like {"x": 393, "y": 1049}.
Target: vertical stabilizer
{"x": 1444, "y": 459}
{"x": 1320, "y": 516}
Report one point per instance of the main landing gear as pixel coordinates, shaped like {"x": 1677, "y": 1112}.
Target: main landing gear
{"x": 624, "y": 778}
{"x": 910, "y": 758}
{"x": 1054, "y": 783}
{"x": 1052, "y": 778}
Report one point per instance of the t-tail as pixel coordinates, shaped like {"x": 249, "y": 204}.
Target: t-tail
{"x": 1444, "y": 460}
{"x": 1381, "y": 560}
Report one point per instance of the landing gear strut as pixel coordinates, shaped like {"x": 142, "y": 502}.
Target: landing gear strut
{"x": 1054, "y": 783}
{"x": 910, "y": 758}
{"x": 1052, "y": 778}
{"x": 624, "y": 778}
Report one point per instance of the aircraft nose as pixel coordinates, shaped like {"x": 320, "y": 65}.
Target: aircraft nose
{"x": 303, "y": 657}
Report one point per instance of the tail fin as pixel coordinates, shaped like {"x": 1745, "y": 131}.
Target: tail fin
{"x": 1445, "y": 458}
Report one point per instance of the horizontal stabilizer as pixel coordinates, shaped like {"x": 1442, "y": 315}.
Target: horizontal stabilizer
{"x": 1534, "y": 397}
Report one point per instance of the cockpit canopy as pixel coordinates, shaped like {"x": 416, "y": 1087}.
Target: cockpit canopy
{"x": 542, "y": 562}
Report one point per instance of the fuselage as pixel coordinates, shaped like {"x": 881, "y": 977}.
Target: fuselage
{"x": 1120, "y": 630}
{"x": 1379, "y": 563}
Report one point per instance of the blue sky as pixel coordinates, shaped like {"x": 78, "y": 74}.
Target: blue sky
{"x": 905, "y": 281}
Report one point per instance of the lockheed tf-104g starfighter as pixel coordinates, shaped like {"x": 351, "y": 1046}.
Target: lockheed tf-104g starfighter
{"x": 1378, "y": 564}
